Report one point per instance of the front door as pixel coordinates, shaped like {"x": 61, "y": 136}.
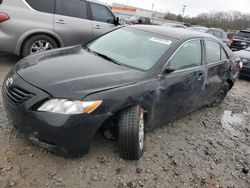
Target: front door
{"x": 181, "y": 91}
{"x": 71, "y": 22}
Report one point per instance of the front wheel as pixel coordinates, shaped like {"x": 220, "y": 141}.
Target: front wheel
{"x": 220, "y": 96}
{"x": 131, "y": 133}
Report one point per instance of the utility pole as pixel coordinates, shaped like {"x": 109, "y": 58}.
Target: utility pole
{"x": 183, "y": 10}
{"x": 153, "y": 4}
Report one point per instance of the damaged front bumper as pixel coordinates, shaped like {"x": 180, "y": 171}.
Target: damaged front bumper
{"x": 67, "y": 135}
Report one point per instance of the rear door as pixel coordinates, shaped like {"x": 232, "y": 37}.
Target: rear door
{"x": 181, "y": 91}
{"x": 71, "y": 22}
{"x": 102, "y": 19}
{"x": 219, "y": 65}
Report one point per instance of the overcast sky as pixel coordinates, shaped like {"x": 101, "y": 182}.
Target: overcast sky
{"x": 194, "y": 7}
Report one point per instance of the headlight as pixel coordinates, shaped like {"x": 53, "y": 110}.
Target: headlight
{"x": 64, "y": 106}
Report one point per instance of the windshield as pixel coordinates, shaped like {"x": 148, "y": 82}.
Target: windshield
{"x": 243, "y": 34}
{"x": 131, "y": 47}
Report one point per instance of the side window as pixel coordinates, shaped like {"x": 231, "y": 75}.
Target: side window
{"x": 213, "y": 50}
{"x": 211, "y": 32}
{"x": 72, "y": 8}
{"x": 42, "y": 5}
{"x": 189, "y": 55}
{"x": 101, "y": 13}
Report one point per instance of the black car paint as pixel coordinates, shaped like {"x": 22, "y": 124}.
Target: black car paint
{"x": 241, "y": 43}
{"x": 93, "y": 72}
{"x": 165, "y": 97}
{"x": 244, "y": 54}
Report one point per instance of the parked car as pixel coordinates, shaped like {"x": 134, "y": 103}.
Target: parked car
{"x": 245, "y": 58}
{"x": 241, "y": 40}
{"x": 124, "y": 22}
{"x": 220, "y": 34}
{"x": 60, "y": 98}
{"x": 177, "y": 25}
{"x": 28, "y": 26}
{"x": 139, "y": 20}
{"x": 198, "y": 28}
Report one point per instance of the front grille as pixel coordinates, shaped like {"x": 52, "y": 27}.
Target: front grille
{"x": 18, "y": 95}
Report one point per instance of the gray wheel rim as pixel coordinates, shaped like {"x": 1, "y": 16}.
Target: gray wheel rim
{"x": 40, "y": 46}
{"x": 141, "y": 130}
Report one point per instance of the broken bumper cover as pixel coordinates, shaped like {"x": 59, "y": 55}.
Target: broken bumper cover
{"x": 67, "y": 135}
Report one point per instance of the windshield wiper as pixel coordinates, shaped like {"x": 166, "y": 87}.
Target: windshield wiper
{"x": 102, "y": 55}
{"x": 106, "y": 57}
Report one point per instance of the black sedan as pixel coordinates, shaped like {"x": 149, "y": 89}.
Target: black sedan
{"x": 245, "y": 58}
{"x": 129, "y": 80}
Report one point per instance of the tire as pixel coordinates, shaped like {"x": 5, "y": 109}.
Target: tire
{"x": 221, "y": 95}
{"x": 131, "y": 133}
{"x": 34, "y": 40}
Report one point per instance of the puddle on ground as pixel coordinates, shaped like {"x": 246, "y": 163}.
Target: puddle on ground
{"x": 230, "y": 121}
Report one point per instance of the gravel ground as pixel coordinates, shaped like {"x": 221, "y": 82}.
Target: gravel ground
{"x": 208, "y": 148}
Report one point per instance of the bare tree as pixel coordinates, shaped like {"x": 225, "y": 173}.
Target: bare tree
{"x": 233, "y": 20}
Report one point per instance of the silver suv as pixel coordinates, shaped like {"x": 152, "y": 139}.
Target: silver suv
{"x": 30, "y": 26}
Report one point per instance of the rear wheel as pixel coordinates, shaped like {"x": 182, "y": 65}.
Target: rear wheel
{"x": 38, "y": 43}
{"x": 131, "y": 133}
{"x": 221, "y": 95}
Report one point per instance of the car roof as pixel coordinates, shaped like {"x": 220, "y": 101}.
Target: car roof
{"x": 176, "y": 33}
{"x": 97, "y": 2}
{"x": 245, "y": 30}
{"x": 218, "y": 29}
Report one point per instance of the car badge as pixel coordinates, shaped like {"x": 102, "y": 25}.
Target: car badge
{"x": 9, "y": 82}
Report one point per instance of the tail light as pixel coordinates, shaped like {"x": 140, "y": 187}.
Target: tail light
{"x": 4, "y": 17}
{"x": 238, "y": 63}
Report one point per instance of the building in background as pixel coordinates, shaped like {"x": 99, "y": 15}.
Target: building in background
{"x": 125, "y": 12}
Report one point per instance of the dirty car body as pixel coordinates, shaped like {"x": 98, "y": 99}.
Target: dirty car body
{"x": 153, "y": 68}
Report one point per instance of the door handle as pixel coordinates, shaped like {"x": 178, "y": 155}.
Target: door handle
{"x": 60, "y": 22}
{"x": 200, "y": 76}
{"x": 97, "y": 27}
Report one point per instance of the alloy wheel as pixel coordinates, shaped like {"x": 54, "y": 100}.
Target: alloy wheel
{"x": 40, "y": 46}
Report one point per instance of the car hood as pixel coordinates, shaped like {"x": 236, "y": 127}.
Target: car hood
{"x": 238, "y": 38}
{"x": 243, "y": 54}
{"x": 74, "y": 73}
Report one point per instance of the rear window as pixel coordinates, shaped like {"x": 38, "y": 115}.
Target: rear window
{"x": 243, "y": 34}
{"x": 101, "y": 13}
{"x": 42, "y": 5}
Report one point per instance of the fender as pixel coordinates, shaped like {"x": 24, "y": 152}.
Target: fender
{"x": 36, "y": 31}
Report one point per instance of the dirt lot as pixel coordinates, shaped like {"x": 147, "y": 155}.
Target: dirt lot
{"x": 209, "y": 148}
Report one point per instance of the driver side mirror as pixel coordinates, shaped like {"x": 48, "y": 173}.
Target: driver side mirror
{"x": 116, "y": 21}
{"x": 168, "y": 70}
